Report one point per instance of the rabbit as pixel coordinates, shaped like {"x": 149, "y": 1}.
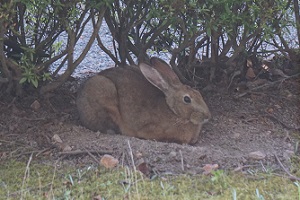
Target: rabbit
{"x": 144, "y": 101}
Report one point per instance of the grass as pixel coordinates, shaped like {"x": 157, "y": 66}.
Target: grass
{"x": 34, "y": 180}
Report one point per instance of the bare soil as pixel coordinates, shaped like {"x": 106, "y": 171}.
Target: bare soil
{"x": 245, "y": 132}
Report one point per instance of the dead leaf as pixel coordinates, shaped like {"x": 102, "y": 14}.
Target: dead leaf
{"x": 56, "y": 139}
{"x": 98, "y": 197}
{"x": 35, "y": 105}
{"x": 288, "y": 94}
{"x": 277, "y": 106}
{"x": 108, "y": 161}
{"x": 144, "y": 168}
{"x": 249, "y": 63}
{"x": 257, "y": 155}
{"x": 68, "y": 184}
{"x": 208, "y": 168}
{"x": 250, "y": 74}
{"x": 239, "y": 168}
{"x": 270, "y": 110}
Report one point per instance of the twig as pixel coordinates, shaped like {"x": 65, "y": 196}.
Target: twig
{"x": 12, "y": 102}
{"x": 33, "y": 119}
{"x": 53, "y": 177}
{"x": 290, "y": 176}
{"x": 181, "y": 158}
{"x": 134, "y": 168}
{"x": 90, "y": 154}
{"x": 265, "y": 170}
{"x": 236, "y": 73}
{"x": 5, "y": 141}
{"x": 43, "y": 151}
{"x": 241, "y": 167}
{"x": 74, "y": 153}
{"x": 265, "y": 85}
{"x": 26, "y": 174}
{"x": 131, "y": 155}
{"x": 33, "y": 152}
{"x": 280, "y": 122}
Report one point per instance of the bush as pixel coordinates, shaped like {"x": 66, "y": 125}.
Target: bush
{"x": 204, "y": 38}
{"x": 28, "y": 39}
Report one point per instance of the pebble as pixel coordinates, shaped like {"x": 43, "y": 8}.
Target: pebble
{"x": 138, "y": 155}
{"x": 66, "y": 148}
{"x": 172, "y": 154}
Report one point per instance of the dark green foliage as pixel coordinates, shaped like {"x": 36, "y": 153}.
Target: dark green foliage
{"x": 28, "y": 39}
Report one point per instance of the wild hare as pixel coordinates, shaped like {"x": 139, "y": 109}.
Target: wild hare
{"x": 147, "y": 102}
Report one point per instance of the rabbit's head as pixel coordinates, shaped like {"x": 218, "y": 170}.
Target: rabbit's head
{"x": 186, "y": 103}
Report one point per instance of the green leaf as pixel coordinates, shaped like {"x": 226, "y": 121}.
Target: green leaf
{"x": 23, "y": 80}
{"x": 35, "y": 82}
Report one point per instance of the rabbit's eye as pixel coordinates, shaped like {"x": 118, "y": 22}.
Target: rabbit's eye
{"x": 187, "y": 99}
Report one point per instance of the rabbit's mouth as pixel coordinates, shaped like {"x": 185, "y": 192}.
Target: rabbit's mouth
{"x": 199, "y": 118}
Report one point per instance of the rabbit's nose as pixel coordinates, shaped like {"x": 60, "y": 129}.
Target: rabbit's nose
{"x": 207, "y": 116}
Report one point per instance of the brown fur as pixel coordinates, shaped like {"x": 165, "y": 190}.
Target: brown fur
{"x": 146, "y": 103}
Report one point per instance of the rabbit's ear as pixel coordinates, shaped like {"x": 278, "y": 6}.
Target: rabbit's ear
{"x": 165, "y": 70}
{"x": 154, "y": 77}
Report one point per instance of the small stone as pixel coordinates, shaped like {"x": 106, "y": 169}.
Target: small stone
{"x": 139, "y": 161}
{"x": 172, "y": 154}
{"x": 257, "y": 155}
{"x": 268, "y": 133}
{"x": 56, "y": 139}
{"x": 66, "y": 148}
{"x": 236, "y": 135}
{"x": 138, "y": 155}
{"x": 35, "y": 105}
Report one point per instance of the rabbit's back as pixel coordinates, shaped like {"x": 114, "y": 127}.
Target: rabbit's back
{"x": 124, "y": 88}
{"x": 139, "y": 101}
